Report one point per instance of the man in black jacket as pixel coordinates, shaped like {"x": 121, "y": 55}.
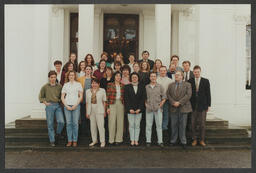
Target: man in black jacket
{"x": 200, "y": 101}
{"x": 145, "y": 55}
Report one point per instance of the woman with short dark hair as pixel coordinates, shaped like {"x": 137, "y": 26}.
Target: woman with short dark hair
{"x": 95, "y": 106}
{"x": 134, "y": 97}
{"x": 115, "y": 104}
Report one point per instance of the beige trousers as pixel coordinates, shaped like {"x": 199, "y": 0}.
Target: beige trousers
{"x": 116, "y": 122}
{"x": 97, "y": 123}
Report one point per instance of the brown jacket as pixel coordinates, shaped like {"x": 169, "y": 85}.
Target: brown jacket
{"x": 182, "y": 96}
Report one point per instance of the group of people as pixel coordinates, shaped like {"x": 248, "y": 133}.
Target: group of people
{"x": 116, "y": 97}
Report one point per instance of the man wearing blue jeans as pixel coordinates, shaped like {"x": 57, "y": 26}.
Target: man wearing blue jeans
{"x": 155, "y": 99}
{"x": 50, "y": 95}
{"x": 163, "y": 80}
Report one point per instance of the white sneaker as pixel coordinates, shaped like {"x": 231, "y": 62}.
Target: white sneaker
{"x": 92, "y": 144}
{"x": 102, "y": 144}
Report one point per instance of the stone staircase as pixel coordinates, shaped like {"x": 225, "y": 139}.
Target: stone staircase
{"x": 31, "y": 134}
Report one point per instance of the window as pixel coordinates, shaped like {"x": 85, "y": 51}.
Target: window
{"x": 248, "y": 57}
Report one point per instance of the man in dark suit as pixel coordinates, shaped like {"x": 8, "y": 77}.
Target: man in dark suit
{"x": 201, "y": 101}
{"x": 188, "y": 74}
{"x": 145, "y": 55}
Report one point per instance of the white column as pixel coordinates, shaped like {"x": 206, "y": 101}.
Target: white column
{"x": 175, "y": 33}
{"x": 148, "y": 34}
{"x": 85, "y": 30}
{"x": 57, "y": 35}
{"x": 98, "y": 40}
{"x": 163, "y": 32}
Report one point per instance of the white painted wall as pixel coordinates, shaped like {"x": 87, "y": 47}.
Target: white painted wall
{"x": 27, "y": 48}
{"x": 222, "y": 58}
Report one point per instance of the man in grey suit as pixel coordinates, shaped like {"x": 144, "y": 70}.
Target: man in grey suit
{"x": 188, "y": 74}
{"x": 178, "y": 94}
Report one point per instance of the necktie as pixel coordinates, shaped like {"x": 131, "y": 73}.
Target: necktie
{"x": 186, "y": 79}
{"x": 177, "y": 89}
{"x": 197, "y": 85}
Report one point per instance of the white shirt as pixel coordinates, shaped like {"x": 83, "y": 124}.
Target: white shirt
{"x": 135, "y": 87}
{"x": 82, "y": 73}
{"x": 188, "y": 74}
{"x": 131, "y": 66}
{"x": 71, "y": 90}
{"x": 118, "y": 92}
{"x": 198, "y": 81}
{"x": 58, "y": 76}
{"x": 101, "y": 97}
{"x": 164, "y": 81}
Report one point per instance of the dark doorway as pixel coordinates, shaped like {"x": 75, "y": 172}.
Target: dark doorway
{"x": 121, "y": 34}
{"x": 73, "y": 32}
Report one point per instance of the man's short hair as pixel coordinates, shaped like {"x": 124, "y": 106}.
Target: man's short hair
{"x": 175, "y": 56}
{"x": 185, "y": 62}
{"x": 52, "y": 72}
{"x": 150, "y": 73}
{"x": 197, "y": 67}
{"x": 163, "y": 66}
{"x": 181, "y": 72}
{"x": 145, "y": 51}
{"x": 57, "y": 62}
{"x": 126, "y": 67}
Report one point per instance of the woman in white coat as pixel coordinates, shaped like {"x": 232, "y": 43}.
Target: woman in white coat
{"x": 96, "y": 106}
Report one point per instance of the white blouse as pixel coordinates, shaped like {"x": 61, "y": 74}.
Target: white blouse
{"x": 71, "y": 90}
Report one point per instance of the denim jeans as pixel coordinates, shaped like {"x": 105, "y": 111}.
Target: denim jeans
{"x": 51, "y": 110}
{"x": 165, "y": 115}
{"x": 72, "y": 118}
{"x": 150, "y": 116}
{"x": 178, "y": 123}
{"x": 134, "y": 126}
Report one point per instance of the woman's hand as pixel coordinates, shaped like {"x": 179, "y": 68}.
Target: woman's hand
{"x": 87, "y": 116}
{"x": 108, "y": 111}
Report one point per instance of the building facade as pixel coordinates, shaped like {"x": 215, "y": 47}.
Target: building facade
{"x": 212, "y": 36}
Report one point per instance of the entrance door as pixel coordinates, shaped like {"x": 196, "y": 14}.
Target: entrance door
{"x": 121, "y": 34}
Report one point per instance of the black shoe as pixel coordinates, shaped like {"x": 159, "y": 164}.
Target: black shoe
{"x": 172, "y": 144}
{"x": 52, "y": 144}
{"x": 118, "y": 143}
{"x": 184, "y": 146}
{"x": 57, "y": 139}
{"x": 148, "y": 144}
{"x": 111, "y": 144}
{"x": 161, "y": 145}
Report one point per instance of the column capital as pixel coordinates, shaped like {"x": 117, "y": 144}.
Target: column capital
{"x": 187, "y": 11}
{"x": 242, "y": 19}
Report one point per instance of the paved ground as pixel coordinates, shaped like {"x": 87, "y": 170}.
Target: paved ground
{"x": 130, "y": 159}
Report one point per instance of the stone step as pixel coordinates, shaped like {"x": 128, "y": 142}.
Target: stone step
{"x": 209, "y": 139}
{"x": 32, "y": 123}
{"x": 45, "y": 147}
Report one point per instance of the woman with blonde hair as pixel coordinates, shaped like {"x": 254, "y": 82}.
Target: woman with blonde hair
{"x": 157, "y": 65}
{"x": 71, "y": 96}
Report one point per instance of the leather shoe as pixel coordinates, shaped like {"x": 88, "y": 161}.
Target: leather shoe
{"x": 161, "y": 145}
{"x": 69, "y": 144}
{"x": 184, "y": 146}
{"x": 194, "y": 143}
{"x": 202, "y": 143}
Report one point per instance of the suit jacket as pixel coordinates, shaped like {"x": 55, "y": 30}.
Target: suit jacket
{"x": 203, "y": 100}
{"x": 132, "y": 100}
{"x": 151, "y": 63}
{"x": 191, "y": 75}
{"x": 182, "y": 96}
